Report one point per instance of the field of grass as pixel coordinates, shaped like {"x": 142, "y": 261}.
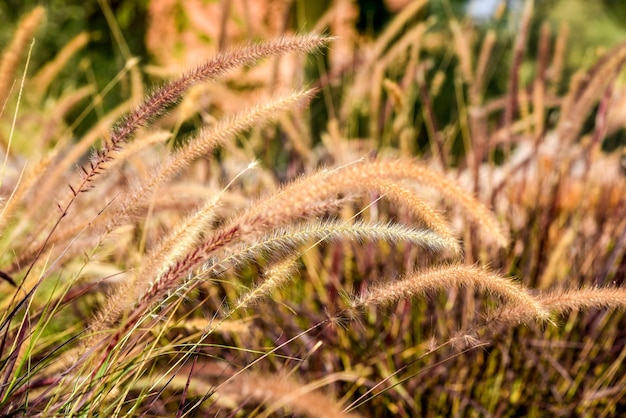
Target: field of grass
{"x": 425, "y": 220}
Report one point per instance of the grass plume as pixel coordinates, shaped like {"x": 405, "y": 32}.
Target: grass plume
{"x": 421, "y": 283}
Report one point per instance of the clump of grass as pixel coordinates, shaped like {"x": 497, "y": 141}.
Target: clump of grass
{"x": 126, "y": 297}
{"x": 530, "y": 151}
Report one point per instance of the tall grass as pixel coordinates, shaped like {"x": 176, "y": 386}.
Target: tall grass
{"x": 179, "y": 274}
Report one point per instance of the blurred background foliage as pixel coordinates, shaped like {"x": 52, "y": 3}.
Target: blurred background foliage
{"x": 593, "y": 27}
{"x": 595, "y": 24}
{"x": 67, "y": 18}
